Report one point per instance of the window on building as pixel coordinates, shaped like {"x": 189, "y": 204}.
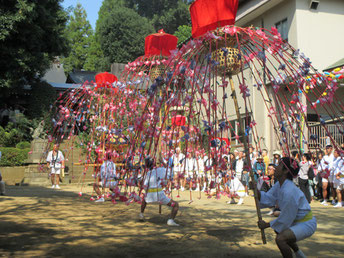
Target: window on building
{"x": 282, "y": 27}
{"x": 236, "y": 130}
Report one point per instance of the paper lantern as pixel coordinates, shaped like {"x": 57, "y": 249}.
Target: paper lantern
{"x": 105, "y": 80}
{"x": 207, "y": 15}
{"x": 178, "y": 120}
{"x": 160, "y": 44}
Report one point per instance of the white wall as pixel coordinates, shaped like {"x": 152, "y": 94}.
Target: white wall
{"x": 270, "y": 17}
{"x": 320, "y": 33}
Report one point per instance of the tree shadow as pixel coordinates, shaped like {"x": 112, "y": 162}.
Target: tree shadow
{"x": 60, "y": 224}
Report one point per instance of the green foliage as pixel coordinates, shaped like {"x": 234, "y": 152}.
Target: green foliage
{"x": 172, "y": 18}
{"x": 95, "y": 56}
{"x": 108, "y": 6}
{"x": 121, "y": 33}
{"x": 123, "y": 25}
{"x": 183, "y": 33}
{"x": 10, "y": 136}
{"x": 79, "y": 34}
{"x": 42, "y": 95}
{"x": 164, "y": 14}
{"x": 23, "y": 145}
{"x": 13, "y": 156}
{"x": 16, "y": 132}
{"x": 31, "y": 36}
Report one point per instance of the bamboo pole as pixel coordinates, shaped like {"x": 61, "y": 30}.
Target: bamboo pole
{"x": 241, "y": 130}
{"x": 159, "y": 141}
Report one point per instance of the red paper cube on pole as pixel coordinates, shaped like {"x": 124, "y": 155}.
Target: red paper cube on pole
{"x": 160, "y": 43}
{"x": 207, "y": 15}
{"x": 105, "y": 80}
{"x": 178, "y": 120}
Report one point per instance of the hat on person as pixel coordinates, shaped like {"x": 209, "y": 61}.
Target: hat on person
{"x": 329, "y": 146}
{"x": 277, "y": 152}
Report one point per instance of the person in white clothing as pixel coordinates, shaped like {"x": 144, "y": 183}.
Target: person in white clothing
{"x": 107, "y": 178}
{"x": 154, "y": 181}
{"x": 337, "y": 173}
{"x": 324, "y": 169}
{"x": 236, "y": 190}
{"x": 190, "y": 168}
{"x": 202, "y": 162}
{"x": 178, "y": 168}
{"x": 239, "y": 166}
{"x": 330, "y": 160}
{"x": 296, "y": 221}
{"x": 56, "y": 162}
{"x": 333, "y": 168}
{"x": 200, "y": 171}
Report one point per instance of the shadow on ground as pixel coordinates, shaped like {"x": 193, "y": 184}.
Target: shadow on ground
{"x": 41, "y": 222}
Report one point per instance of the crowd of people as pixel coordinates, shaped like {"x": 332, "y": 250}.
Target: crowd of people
{"x": 321, "y": 174}
{"x": 320, "y": 177}
{"x": 286, "y": 184}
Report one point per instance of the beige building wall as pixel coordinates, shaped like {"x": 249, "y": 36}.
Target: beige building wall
{"x": 320, "y": 33}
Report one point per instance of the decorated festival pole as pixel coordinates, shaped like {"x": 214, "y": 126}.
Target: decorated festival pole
{"x": 255, "y": 190}
{"x": 220, "y": 13}
{"x": 159, "y": 45}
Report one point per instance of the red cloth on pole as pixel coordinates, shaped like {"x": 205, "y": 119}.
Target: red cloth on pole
{"x": 105, "y": 80}
{"x": 160, "y": 43}
{"x": 178, "y": 120}
{"x": 207, "y": 15}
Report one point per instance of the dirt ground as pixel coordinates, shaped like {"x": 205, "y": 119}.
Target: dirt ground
{"x": 41, "y": 222}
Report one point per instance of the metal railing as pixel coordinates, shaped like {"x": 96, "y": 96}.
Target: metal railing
{"x": 321, "y": 133}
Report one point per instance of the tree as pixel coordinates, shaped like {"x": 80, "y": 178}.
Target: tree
{"x": 183, "y": 33}
{"x": 79, "y": 35}
{"x": 40, "y": 97}
{"x": 164, "y": 14}
{"x": 172, "y": 18}
{"x": 108, "y": 6}
{"x": 95, "y": 60}
{"x": 122, "y": 33}
{"x": 31, "y": 36}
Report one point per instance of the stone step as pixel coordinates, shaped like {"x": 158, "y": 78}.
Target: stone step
{"x": 35, "y": 175}
{"x": 36, "y": 181}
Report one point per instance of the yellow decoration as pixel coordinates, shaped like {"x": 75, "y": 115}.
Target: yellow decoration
{"x": 307, "y": 87}
{"x": 325, "y": 93}
{"x": 336, "y": 70}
